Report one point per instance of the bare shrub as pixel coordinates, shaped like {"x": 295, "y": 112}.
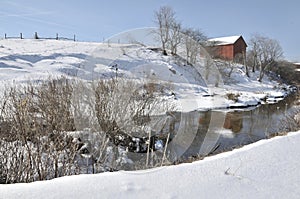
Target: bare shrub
{"x": 286, "y": 71}
{"x": 37, "y": 131}
{"x": 124, "y": 109}
{"x": 232, "y": 96}
{"x": 33, "y": 146}
{"x": 291, "y": 121}
{"x": 54, "y": 104}
{"x": 47, "y": 158}
{"x": 126, "y": 105}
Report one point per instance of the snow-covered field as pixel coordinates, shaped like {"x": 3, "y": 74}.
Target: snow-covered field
{"x": 265, "y": 169}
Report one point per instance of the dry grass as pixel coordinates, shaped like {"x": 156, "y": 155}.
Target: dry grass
{"x": 233, "y": 96}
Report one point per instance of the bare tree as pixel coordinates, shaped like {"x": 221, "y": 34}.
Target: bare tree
{"x": 192, "y": 40}
{"x": 251, "y": 60}
{"x": 241, "y": 59}
{"x": 164, "y": 18}
{"x": 265, "y": 52}
{"x": 172, "y": 35}
{"x": 175, "y": 37}
{"x": 226, "y": 67}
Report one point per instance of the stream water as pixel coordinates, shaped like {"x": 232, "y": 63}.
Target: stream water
{"x": 241, "y": 126}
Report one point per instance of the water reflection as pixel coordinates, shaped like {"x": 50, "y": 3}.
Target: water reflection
{"x": 240, "y": 127}
{"x": 234, "y": 121}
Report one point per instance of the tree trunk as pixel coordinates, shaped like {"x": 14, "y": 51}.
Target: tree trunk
{"x": 245, "y": 64}
{"x": 261, "y": 72}
{"x": 254, "y": 64}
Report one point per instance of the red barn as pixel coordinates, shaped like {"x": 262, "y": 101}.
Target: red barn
{"x": 297, "y": 65}
{"x": 228, "y": 48}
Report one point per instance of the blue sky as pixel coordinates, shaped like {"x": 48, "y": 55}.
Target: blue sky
{"x": 93, "y": 20}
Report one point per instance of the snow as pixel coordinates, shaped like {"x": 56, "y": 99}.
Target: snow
{"x": 22, "y": 60}
{"x": 267, "y": 168}
{"x": 225, "y": 40}
{"x": 263, "y": 169}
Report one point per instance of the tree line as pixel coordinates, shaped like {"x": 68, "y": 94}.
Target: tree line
{"x": 172, "y": 34}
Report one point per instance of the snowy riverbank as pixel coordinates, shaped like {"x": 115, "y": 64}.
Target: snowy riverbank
{"x": 267, "y": 168}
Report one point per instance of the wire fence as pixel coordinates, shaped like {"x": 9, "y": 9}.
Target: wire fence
{"x": 36, "y": 36}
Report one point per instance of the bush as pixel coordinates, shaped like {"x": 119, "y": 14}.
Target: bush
{"x": 232, "y": 96}
{"x": 124, "y": 109}
{"x": 286, "y": 72}
{"x": 33, "y": 146}
{"x": 126, "y": 105}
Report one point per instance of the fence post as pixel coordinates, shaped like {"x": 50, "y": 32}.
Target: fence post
{"x": 74, "y": 38}
{"x": 21, "y": 35}
{"x": 5, "y": 35}
{"x": 56, "y": 36}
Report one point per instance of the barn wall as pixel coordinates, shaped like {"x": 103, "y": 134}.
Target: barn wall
{"x": 226, "y": 52}
{"x": 239, "y": 47}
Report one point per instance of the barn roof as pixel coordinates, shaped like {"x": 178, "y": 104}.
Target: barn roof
{"x": 224, "y": 40}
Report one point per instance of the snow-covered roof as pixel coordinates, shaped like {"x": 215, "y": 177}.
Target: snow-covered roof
{"x": 225, "y": 40}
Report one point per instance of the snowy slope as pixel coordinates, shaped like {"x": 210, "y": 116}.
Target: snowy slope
{"x": 268, "y": 168}
{"x": 23, "y": 60}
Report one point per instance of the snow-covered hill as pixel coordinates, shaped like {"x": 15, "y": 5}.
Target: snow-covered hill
{"x": 23, "y": 60}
